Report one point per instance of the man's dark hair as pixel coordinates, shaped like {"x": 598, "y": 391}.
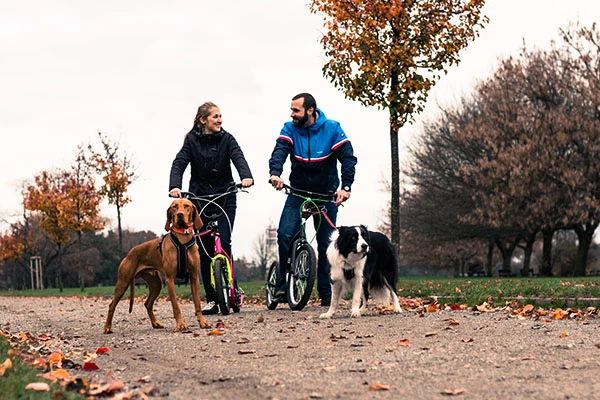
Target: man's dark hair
{"x": 309, "y": 101}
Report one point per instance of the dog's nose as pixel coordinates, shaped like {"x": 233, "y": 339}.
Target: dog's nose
{"x": 364, "y": 246}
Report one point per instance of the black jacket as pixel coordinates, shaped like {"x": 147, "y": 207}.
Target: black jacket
{"x": 210, "y": 157}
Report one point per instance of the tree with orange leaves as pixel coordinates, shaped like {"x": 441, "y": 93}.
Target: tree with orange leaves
{"x": 118, "y": 173}
{"x": 390, "y": 53}
{"x": 68, "y": 203}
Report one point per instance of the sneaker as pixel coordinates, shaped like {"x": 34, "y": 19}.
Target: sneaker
{"x": 280, "y": 296}
{"x": 210, "y": 308}
{"x": 326, "y": 301}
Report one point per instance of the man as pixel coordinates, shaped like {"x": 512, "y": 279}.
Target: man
{"x": 315, "y": 144}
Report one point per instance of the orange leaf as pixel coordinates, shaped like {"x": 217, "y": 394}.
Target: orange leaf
{"x": 55, "y": 357}
{"x": 215, "y": 332}
{"x": 528, "y": 308}
{"x": 377, "y": 386}
{"x": 7, "y": 364}
{"x": 404, "y": 342}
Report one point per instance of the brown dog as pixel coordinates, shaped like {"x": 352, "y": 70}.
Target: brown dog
{"x": 147, "y": 259}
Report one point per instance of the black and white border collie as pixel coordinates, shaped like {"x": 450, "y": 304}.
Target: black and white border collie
{"x": 361, "y": 260}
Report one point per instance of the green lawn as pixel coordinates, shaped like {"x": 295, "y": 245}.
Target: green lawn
{"x": 581, "y": 292}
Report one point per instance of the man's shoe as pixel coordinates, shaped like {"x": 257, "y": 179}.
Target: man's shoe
{"x": 325, "y": 301}
{"x": 280, "y": 296}
{"x": 210, "y": 308}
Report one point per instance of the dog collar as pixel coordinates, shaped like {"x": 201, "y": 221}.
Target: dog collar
{"x": 184, "y": 231}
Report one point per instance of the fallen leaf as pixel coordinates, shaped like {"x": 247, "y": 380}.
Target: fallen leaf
{"x": 564, "y": 335}
{"x": 38, "y": 386}
{"x": 453, "y": 392}
{"x": 377, "y": 386}
{"x": 7, "y": 364}
{"x": 404, "y": 342}
{"x": 101, "y": 350}
{"x": 39, "y": 362}
{"x": 260, "y": 319}
{"x": 246, "y": 351}
{"x": 55, "y": 358}
{"x": 329, "y": 368}
{"x": 90, "y": 366}
{"x": 215, "y": 332}
{"x": 427, "y": 334}
{"x": 243, "y": 340}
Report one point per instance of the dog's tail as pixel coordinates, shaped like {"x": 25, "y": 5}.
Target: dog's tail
{"x": 131, "y": 296}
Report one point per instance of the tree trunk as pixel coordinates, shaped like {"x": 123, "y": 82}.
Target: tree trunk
{"x": 546, "y": 267}
{"x": 528, "y": 252}
{"x": 60, "y": 281}
{"x": 120, "y": 231}
{"x": 395, "y": 179}
{"x": 585, "y": 234}
{"x": 507, "y": 251}
{"x": 490, "y": 258}
{"x": 81, "y": 267}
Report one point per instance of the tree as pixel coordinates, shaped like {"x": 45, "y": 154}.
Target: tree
{"x": 84, "y": 209}
{"x": 390, "y": 53}
{"x": 47, "y": 198}
{"x": 118, "y": 172}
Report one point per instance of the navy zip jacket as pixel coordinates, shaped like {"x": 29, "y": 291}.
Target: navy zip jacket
{"x": 314, "y": 151}
{"x": 210, "y": 157}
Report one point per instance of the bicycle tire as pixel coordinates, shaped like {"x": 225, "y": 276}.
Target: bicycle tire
{"x": 302, "y": 276}
{"x": 221, "y": 286}
{"x": 271, "y": 285}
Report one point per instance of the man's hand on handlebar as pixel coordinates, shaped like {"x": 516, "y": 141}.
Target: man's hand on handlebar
{"x": 341, "y": 196}
{"x": 276, "y": 182}
{"x": 175, "y": 192}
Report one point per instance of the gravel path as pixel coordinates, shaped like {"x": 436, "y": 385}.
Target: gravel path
{"x": 261, "y": 354}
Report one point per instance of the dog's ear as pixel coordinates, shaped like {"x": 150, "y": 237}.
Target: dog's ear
{"x": 169, "y": 219}
{"x": 198, "y": 224}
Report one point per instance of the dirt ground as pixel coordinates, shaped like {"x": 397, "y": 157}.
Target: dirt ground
{"x": 280, "y": 354}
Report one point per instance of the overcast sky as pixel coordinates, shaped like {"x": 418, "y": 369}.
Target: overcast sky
{"x": 138, "y": 70}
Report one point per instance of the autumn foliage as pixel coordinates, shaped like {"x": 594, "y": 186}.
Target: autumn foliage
{"x": 519, "y": 158}
{"x": 389, "y": 54}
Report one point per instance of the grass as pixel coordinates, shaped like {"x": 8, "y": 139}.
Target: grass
{"x": 12, "y": 384}
{"x": 558, "y": 292}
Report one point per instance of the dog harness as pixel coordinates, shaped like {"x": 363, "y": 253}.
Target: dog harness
{"x": 182, "y": 258}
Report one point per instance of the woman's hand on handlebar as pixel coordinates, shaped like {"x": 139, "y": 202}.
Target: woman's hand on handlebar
{"x": 175, "y": 192}
{"x": 276, "y": 182}
{"x": 247, "y": 182}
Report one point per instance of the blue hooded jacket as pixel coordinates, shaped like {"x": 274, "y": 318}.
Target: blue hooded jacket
{"x": 314, "y": 151}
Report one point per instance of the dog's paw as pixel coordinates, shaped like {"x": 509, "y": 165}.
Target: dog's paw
{"x": 355, "y": 313}
{"x": 205, "y": 325}
{"x": 182, "y": 326}
{"x": 325, "y": 315}
{"x": 398, "y": 310}
{"x": 108, "y": 329}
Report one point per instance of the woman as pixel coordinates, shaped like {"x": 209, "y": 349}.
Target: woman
{"x": 210, "y": 150}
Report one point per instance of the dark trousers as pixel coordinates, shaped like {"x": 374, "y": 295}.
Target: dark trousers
{"x": 207, "y": 246}
{"x": 289, "y": 223}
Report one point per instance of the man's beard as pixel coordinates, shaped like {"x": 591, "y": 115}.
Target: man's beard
{"x": 299, "y": 123}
